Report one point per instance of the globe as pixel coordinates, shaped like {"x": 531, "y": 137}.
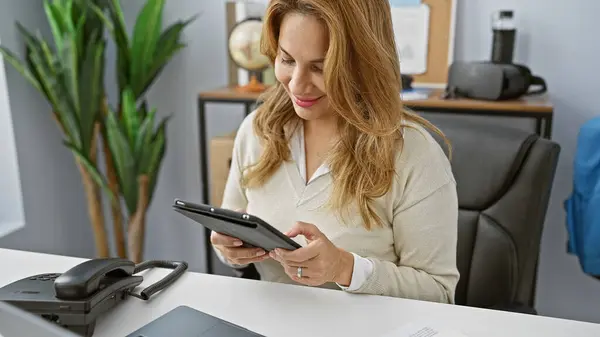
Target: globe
{"x": 244, "y": 49}
{"x": 244, "y": 45}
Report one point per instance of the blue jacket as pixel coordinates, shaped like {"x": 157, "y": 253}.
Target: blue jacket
{"x": 583, "y": 205}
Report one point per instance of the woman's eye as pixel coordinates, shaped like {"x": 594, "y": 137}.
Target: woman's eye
{"x": 287, "y": 61}
{"x": 317, "y": 69}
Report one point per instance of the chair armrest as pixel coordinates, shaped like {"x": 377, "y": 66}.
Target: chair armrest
{"x": 515, "y": 307}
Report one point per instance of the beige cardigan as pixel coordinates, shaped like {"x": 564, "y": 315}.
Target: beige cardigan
{"x": 413, "y": 257}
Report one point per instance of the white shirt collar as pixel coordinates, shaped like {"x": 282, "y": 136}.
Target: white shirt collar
{"x": 299, "y": 155}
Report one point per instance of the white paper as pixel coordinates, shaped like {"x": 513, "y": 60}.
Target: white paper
{"x": 413, "y": 95}
{"x": 397, "y": 3}
{"x": 411, "y": 33}
{"x": 424, "y": 330}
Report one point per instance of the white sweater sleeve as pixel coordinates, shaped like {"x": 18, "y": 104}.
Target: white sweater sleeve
{"x": 362, "y": 270}
{"x": 425, "y": 235}
{"x": 424, "y": 222}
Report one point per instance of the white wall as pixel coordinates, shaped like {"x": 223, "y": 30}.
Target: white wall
{"x": 11, "y": 218}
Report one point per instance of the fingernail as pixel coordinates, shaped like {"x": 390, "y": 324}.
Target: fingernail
{"x": 260, "y": 253}
{"x": 272, "y": 254}
{"x": 238, "y": 243}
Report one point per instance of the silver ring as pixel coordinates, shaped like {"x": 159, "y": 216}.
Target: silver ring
{"x": 299, "y": 272}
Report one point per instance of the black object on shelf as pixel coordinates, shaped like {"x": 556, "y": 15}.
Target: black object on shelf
{"x": 504, "y": 36}
{"x": 407, "y": 81}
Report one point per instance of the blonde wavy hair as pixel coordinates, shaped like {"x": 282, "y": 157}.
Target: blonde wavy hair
{"x": 363, "y": 84}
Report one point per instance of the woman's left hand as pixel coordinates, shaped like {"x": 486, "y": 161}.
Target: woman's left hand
{"x": 321, "y": 261}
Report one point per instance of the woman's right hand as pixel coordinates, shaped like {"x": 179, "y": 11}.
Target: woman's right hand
{"x": 230, "y": 248}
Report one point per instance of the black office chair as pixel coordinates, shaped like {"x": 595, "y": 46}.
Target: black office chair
{"x": 504, "y": 178}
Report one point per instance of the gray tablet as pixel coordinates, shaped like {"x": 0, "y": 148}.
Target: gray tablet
{"x": 251, "y": 230}
{"x": 184, "y": 321}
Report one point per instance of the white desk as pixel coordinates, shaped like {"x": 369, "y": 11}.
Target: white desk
{"x": 285, "y": 310}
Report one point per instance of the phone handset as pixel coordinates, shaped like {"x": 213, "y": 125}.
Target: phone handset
{"x": 94, "y": 275}
{"x": 88, "y": 277}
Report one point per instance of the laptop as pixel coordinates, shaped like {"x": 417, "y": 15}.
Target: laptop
{"x": 189, "y": 322}
{"x": 15, "y": 322}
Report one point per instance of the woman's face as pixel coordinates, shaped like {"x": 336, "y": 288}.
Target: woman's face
{"x": 303, "y": 43}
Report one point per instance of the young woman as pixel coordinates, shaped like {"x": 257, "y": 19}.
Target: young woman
{"x": 334, "y": 160}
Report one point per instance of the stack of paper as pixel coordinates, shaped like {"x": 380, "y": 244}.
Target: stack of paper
{"x": 410, "y": 19}
{"x": 414, "y": 95}
{"x": 418, "y": 330}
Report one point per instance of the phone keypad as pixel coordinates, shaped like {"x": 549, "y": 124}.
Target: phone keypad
{"x": 44, "y": 277}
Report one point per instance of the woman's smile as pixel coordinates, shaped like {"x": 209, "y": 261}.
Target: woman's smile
{"x": 307, "y": 102}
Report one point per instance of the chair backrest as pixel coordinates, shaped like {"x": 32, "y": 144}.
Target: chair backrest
{"x": 504, "y": 178}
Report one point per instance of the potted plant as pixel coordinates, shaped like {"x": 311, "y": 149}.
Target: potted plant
{"x": 137, "y": 150}
{"x": 140, "y": 59}
{"x": 69, "y": 73}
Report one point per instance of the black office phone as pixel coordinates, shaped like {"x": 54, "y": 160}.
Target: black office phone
{"x": 74, "y": 299}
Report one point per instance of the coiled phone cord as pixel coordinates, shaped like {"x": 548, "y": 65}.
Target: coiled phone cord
{"x": 179, "y": 267}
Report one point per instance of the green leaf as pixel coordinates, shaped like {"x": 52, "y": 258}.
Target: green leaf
{"x": 116, "y": 12}
{"x": 169, "y": 46}
{"x": 61, "y": 106}
{"x": 49, "y": 55}
{"x": 169, "y": 39}
{"x": 144, "y": 41}
{"x": 92, "y": 170}
{"x": 81, "y": 37}
{"x": 156, "y": 156}
{"x": 124, "y": 162}
{"x": 56, "y": 19}
{"x": 123, "y": 69}
{"x": 143, "y": 145}
{"x": 143, "y": 140}
{"x": 33, "y": 46}
{"x": 67, "y": 97}
{"x": 34, "y": 72}
{"x": 173, "y": 32}
{"x": 70, "y": 71}
{"x": 44, "y": 74}
{"x": 160, "y": 61}
{"x": 21, "y": 68}
{"x": 130, "y": 116}
{"x": 33, "y": 43}
{"x": 143, "y": 110}
{"x": 67, "y": 7}
{"x": 78, "y": 9}
{"x": 158, "y": 143}
{"x": 90, "y": 10}
{"x": 103, "y": 18}
{"x": 91, "y": 89}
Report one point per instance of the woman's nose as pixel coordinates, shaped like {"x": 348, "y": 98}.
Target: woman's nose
{"x": 300, "y": 81}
